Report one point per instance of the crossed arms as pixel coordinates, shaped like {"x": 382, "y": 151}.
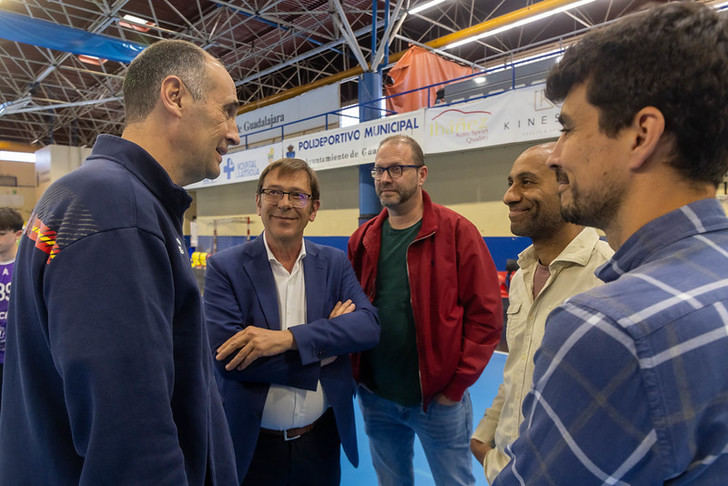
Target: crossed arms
{"x": 248, "y": 350}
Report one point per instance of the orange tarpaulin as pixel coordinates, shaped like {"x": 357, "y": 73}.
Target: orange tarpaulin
{"x": 419, "y": 67}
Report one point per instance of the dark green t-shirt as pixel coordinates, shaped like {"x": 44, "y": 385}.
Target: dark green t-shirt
{"x": 391, "y": 369}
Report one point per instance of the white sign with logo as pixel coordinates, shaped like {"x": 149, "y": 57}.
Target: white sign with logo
{"x": 514, "y": 116}
{"x": 353, "y": 145}
{"x": 242, "y": 166}
{"x": 309, "y": 104}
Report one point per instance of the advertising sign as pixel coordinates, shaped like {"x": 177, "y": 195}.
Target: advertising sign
{"x": 514, "y": 116}
{"x": 353, "y": 145}
{"x": 311, "y": 103}
{"x": 242, "y": 166}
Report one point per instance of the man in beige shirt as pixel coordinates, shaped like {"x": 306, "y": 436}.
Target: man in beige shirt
{"x": 560, "y": 263}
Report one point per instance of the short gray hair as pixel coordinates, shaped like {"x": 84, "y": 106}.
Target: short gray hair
{"x": 161, "y": 59}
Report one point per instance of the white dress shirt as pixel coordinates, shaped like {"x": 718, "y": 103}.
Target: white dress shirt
{"x": 288, "y": 407}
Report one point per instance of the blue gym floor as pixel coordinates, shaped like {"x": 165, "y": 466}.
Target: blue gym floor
{"x": 481, "y": 394}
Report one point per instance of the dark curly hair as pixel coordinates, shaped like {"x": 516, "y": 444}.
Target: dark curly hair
{"x": 673, "y": 57}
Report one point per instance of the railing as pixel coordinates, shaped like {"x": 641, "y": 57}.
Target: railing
{"x": 451, "y": 92}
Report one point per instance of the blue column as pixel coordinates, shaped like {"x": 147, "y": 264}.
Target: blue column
{"x": 370, "y": 90}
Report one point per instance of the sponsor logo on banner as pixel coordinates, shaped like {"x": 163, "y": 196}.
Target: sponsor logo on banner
{"x": 229, "y": 167}
{"x": 242, "y": 166}
{"x": 353, "y": 145}
{"x": 468, "y": 126}
{"x": 304, "y": 107}
{"x": 544, "y": 116}
{"x": 514, "y": 116}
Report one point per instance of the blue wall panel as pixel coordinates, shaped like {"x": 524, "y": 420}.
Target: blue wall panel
{"x": 501, "y": 247}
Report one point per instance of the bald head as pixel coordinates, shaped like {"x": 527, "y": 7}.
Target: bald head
{"x": 542, "y": 151}
{"x": 532, "y": 195}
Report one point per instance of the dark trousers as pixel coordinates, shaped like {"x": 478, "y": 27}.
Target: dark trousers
{"x": 310, "y": 460}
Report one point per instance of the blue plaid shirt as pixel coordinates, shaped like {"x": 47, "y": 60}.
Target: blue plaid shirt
{"x": 631, "y": 381}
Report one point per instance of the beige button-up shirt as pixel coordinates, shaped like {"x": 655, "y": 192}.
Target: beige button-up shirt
{"x": 572, "y": 272}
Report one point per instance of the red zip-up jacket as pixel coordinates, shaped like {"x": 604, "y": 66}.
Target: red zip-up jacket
{"x": 454, "y": 292}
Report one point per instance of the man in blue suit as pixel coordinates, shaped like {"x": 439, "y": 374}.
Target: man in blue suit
{"x": 283, "y": 316}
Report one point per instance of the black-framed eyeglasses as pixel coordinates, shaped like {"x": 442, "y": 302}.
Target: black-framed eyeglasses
{"x": 297, "y": 199}
{"x": 394, "y": 171}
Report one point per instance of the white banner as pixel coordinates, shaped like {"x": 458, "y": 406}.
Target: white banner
{"x": 353, "y": 145}
{"x": 242, "y": 166}
{"x": 514, "y": 116}
{"x": 311, "y": 103}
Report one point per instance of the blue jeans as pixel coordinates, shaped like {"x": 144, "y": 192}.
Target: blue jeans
{"x": 444, "y": 432}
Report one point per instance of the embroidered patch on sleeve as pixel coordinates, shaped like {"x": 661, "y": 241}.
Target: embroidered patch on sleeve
{"x": 59, "y": 219}
{"x": 44, "y": 237}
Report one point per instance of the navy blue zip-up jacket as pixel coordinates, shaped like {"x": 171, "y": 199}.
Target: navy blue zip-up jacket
{"x": 108, "y": 376}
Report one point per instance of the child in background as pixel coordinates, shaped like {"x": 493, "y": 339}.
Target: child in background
{"x": 11, "y": 227}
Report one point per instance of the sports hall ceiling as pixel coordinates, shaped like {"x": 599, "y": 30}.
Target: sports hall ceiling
{"x": 269, "y": 47}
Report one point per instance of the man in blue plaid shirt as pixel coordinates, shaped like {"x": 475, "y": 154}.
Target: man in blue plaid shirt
{"x": 631, "y": 382}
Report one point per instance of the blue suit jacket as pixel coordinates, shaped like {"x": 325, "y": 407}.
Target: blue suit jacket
{"x": 240, "y": 291}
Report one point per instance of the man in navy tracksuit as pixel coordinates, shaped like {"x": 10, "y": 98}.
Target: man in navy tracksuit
{"x": 108, "y": 375}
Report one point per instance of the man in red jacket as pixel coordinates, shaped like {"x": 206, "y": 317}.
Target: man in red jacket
{"x": 430, "y": 274}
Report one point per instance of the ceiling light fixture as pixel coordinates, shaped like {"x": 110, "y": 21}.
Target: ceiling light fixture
{"x": 96, "y": 61}
{"x": 424, "y": 6}
{"x": 522, "y": 21}
{"x": 136, "y": 23}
